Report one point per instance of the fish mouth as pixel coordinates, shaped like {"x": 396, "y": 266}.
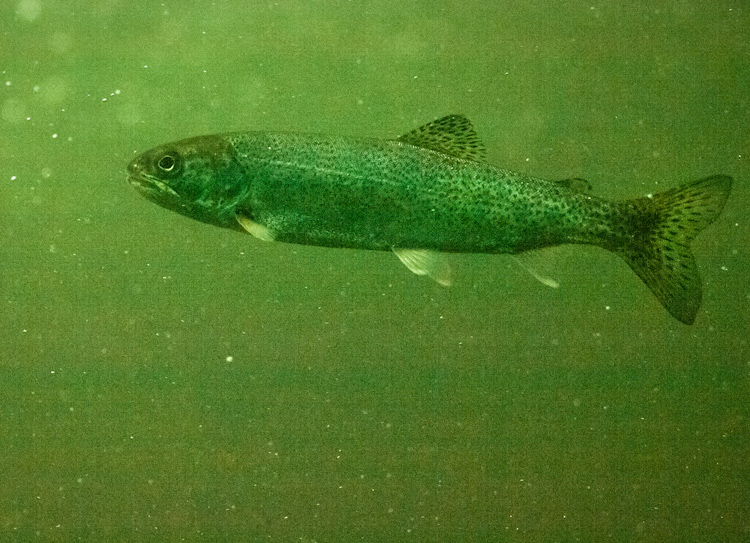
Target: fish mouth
{"x": 148, "y": 185}
{"x": 151, "y": 187}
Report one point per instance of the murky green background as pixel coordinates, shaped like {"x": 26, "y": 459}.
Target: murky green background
{"x": 162, "y": 379}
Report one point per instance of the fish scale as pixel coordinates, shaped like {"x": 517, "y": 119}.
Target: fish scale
{"x": 425, "y": 193}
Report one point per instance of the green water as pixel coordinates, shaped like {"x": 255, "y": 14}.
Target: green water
{"x": 162, "y": 379}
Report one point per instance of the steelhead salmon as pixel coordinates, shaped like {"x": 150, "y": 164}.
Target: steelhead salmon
{"x": 424, "y": 193}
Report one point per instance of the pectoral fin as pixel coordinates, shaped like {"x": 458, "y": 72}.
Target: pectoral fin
{"x": 256, "y": 230}
{"x": 429, "y": 263}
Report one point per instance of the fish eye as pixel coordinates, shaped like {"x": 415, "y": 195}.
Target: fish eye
{"x": 169, "y": 163}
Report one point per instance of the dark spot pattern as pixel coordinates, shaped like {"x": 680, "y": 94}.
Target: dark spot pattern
{"x": 428, "y": 189}
{"x": 663, "y": 228}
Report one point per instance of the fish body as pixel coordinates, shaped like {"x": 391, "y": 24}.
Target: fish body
{"x": 425, "y": 193}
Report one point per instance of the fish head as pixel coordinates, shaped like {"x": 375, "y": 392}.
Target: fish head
{"x": 196, "y": 177}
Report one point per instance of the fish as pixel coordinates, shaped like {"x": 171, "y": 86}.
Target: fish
{"x": 421, "y": 195}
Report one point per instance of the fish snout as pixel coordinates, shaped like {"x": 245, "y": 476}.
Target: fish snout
{"x": 137, "y": 177}
{"x": 136, "y": 166}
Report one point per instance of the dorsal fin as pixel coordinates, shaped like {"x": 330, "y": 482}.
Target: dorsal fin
{"x": 452, "y": 135}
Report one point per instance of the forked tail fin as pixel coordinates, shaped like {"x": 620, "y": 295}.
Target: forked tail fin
{"x": 664, "y": 226}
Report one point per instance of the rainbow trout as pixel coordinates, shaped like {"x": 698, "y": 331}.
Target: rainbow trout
{"x": 422, "y": 194}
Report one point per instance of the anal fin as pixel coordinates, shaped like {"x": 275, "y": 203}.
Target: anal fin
{"x": 529, "y": 261}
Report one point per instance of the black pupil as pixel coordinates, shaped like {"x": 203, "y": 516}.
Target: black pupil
{"x": 166, "y": 163}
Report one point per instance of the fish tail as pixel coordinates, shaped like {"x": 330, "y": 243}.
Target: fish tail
{"x": 663, "y": 227}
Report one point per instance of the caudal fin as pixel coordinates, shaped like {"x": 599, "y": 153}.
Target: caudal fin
{"x": 665, "y": 226}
